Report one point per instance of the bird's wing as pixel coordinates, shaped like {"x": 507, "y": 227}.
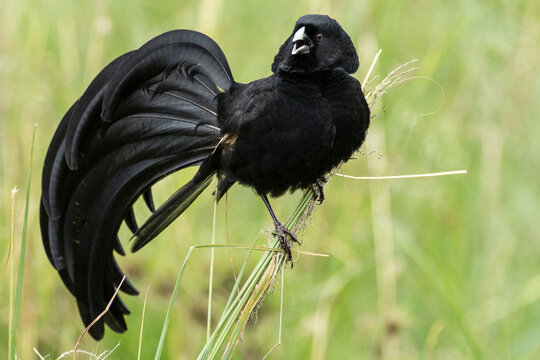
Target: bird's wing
{"x": 243, "y": 103}
{"x": 149, "y": 113}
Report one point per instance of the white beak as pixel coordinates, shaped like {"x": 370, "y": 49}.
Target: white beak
{"x": 300, "y": 38}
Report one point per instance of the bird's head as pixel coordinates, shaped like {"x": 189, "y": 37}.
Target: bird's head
{"x": 317, "y": 43}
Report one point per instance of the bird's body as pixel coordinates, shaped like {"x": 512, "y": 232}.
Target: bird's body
{"x": 283, "y": 129}
{"x": 173, "y": 104}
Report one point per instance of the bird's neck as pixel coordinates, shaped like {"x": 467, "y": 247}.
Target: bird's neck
{"x": 302, "y": 77}
{"x": 300, "y": 82}
{"x": 308, "y": 84}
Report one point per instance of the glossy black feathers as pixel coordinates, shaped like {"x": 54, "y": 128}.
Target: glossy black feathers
{"x": 149, "y": 113}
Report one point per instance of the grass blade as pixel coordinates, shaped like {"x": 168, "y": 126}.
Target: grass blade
{"x": 142, "y": 323}
{"x": 211, "y": 275}
{"x": 20, "y": 275}
{"x": 10, "y": 260}
{"x": 165, "y": 327}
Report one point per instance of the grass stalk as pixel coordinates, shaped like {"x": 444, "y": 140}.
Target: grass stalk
{"x": 142, "y": 323}
{"x": 280, "y": 317}
{"x": 444, "y": 173}
{"x": 177, "y": 287}
{"x": 11, "y": 340}
{"x": 14, "y": 319}
{"x": 102, "y": 314}
{"x": 238, "y": 312}
{"x": 211, "y": 275}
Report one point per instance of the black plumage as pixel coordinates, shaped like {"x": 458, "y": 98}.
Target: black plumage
{"x": 173, "y": 104}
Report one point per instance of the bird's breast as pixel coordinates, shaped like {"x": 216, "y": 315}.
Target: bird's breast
{"x": 288, "y": 145}
{"x": 288, "y": 134}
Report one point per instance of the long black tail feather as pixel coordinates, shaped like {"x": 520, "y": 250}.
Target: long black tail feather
{"x": 149, "y": 113}
{"x": 172, "y": 208}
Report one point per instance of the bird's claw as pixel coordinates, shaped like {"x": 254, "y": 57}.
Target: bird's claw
{"x": 282, "y": 233}
{"x": 317, "y": 188}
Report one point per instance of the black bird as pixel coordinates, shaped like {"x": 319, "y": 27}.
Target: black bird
{"x": 172, "y": 104}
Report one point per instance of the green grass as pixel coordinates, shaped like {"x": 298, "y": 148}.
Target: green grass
{"x": 437, "y": 268}
{"x": 15, "y": 312}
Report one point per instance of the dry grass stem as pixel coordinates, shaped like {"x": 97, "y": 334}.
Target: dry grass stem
{"x": 444, "y": 173}
{"x": 11, "y": 225}
{"x": 75, "y": 349}
{"x": 395, "y": 77}
{"x": 258, "y": 292}
{"x": 280, "y": 317}
{"x": 142, "y": 323}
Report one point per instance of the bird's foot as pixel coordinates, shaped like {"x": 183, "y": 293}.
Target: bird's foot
{"x": 282, "y": 233}
{"x": 317, "y": 188}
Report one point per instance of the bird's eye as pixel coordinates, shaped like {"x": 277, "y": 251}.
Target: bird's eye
{"x": 319, "y": 37}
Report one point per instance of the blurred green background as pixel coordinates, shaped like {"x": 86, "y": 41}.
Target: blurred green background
{"x": 437, "y": 268}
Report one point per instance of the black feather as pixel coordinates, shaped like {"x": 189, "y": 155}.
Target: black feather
{"x": 130, "y": 220}
{"x": 172, "y": 208}
{"x": 170, "y": 49}
{"x": 56, "y": 150}
{"x": 161, "y": 111}
{"x": 118, "y": 247}
{"x": 149, "y": 200}
{"x": 85, "y": 111}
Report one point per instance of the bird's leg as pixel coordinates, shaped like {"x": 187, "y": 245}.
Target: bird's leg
{"x": 317, "y": 188}
{"x": 281, "y": 231}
